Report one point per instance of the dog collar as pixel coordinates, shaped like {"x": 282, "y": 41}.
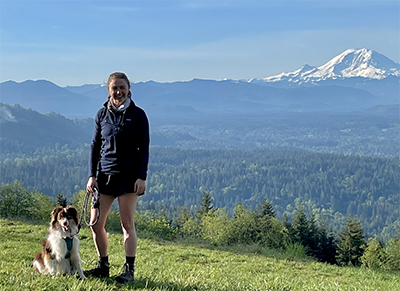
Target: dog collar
{"x": 68, "y": 241}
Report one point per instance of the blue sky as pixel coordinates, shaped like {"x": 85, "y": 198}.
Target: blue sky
{"x": 82, "y": 42}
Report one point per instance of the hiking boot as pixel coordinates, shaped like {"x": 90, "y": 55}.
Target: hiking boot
{"x": 102, "y": 270}
{"x": 127, "y": 274}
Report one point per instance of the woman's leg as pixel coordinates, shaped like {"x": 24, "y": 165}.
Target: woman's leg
{"x": 98, "y": 230}
{"x": 102, "y": 269}
{"x": 127, "y": 208}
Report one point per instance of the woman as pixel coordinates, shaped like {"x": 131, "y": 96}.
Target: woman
{"x": 118, "y": 169}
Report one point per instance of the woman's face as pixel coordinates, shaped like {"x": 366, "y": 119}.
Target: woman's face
{"x": 118, "y": 90}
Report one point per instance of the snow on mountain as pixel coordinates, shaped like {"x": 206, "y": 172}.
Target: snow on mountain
{"x": 351, "y": 63}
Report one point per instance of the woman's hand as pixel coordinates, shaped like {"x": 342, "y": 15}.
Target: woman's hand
{"x": 91, "y": 185}
{"x": 140, "y": 186}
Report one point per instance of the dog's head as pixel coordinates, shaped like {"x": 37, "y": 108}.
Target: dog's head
{"x": 65, "y": 219}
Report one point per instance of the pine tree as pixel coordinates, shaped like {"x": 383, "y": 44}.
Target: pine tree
{"x": 266, "y": 209}
{"x": 300, "y": 227}
{"x": 352, "y": 243}
{"x": 312, "y": 240}
{"x": 206, "y": 206}
{"x": 327, "y": 245}
{"x": 61, "y": 200}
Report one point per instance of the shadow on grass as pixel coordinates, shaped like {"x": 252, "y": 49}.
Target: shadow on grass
{"x": 143, "y": 283}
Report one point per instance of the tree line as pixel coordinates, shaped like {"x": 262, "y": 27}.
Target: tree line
{"x": 329, "y": 185}
{"x": 302, "y": 236}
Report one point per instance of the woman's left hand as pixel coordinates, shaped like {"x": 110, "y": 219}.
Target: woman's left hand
{"x": 140, "y": 186}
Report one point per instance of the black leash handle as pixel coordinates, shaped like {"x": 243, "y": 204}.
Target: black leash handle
{"x": 95, "y": 204}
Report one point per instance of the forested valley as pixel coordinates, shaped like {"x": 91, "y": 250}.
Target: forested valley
{"x": 329, "y": 186}
{"x": 320, "y": 184}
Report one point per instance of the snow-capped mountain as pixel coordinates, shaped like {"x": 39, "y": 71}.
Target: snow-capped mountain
{"x": 352, "y": 81}
{"x": 352, "y": 63}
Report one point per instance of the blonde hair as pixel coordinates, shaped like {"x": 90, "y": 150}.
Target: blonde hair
{"x": 119, "y": 75}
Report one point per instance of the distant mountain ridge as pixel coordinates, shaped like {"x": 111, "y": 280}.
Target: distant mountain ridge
{"x": 203, "y": 96}
{"x": 352, "y": 81}
{"x": 45, "y": 97}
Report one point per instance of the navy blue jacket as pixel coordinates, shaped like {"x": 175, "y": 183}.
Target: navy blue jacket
{"x": 122, "y": 147}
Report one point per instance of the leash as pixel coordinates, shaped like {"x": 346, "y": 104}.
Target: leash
{"x": 94, "y": 205}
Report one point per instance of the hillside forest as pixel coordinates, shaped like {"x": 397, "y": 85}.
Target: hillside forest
{"x": 330, "y": 186}
{"x": 321, "y": 173}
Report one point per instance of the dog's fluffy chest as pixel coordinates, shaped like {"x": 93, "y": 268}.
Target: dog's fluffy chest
{"x": 62, "y": 247}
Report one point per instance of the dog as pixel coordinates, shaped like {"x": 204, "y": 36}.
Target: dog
{"x": 60, "y": 252}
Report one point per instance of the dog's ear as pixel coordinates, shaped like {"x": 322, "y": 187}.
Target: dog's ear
{"x": 73, "y": 212}
{"x": 56, "y": 210}
{"x": 54, "y": 215}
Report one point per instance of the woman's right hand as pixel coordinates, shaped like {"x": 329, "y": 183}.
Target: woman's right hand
{"x": 91, "y": 185}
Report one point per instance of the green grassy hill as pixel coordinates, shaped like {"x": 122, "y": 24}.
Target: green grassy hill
{"x": 165, "y": 265}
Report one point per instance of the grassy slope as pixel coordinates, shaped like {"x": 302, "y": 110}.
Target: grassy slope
{"x": 170, "y": 266}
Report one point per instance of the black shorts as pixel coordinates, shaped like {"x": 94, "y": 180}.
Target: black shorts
{"x": 116, "y": 184}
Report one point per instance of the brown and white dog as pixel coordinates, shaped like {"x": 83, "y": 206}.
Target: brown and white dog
{"x": 60, "y": 253}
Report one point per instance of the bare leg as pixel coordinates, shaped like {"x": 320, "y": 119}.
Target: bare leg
{"x": 127, "y": 209}
{"x": 99, "y": 233}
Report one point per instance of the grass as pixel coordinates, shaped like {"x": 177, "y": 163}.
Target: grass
{"x": 164, "y": 265}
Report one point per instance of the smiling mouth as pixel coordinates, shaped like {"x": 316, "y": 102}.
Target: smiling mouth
{"x": 66, "y": 228}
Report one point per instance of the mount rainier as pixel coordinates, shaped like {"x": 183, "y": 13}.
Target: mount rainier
{"x": 362, "y": 69}
{"x": 352, "y": 81}
{"x": 352, "y": 63}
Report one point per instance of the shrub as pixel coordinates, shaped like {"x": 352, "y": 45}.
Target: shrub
{"x": 294, "y": 251}
{"x": 392, "y": 255}
{"x": 373, "y": 255}
{"x": 151, "y": 226}
{"x": 274, "y": 235}
{"x": 243, "y": 226}
{"x": 190, "y": 228}
{"x": 216, "y": 228}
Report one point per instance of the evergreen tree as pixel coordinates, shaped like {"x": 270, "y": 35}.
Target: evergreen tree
{"x": 300, "y": 227}
{"x": 313, "y": 238}
{"x": 61, "y": 200}
{"x": 327, "y": 246}
{"x": 288, "y": 225}
{"x": 373, "y": 255}
{"x": 266, "y": 209}
{"x": 352, "y": 243}
{"x": 206, "y": 206}
{"x": 269, "y": 231}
